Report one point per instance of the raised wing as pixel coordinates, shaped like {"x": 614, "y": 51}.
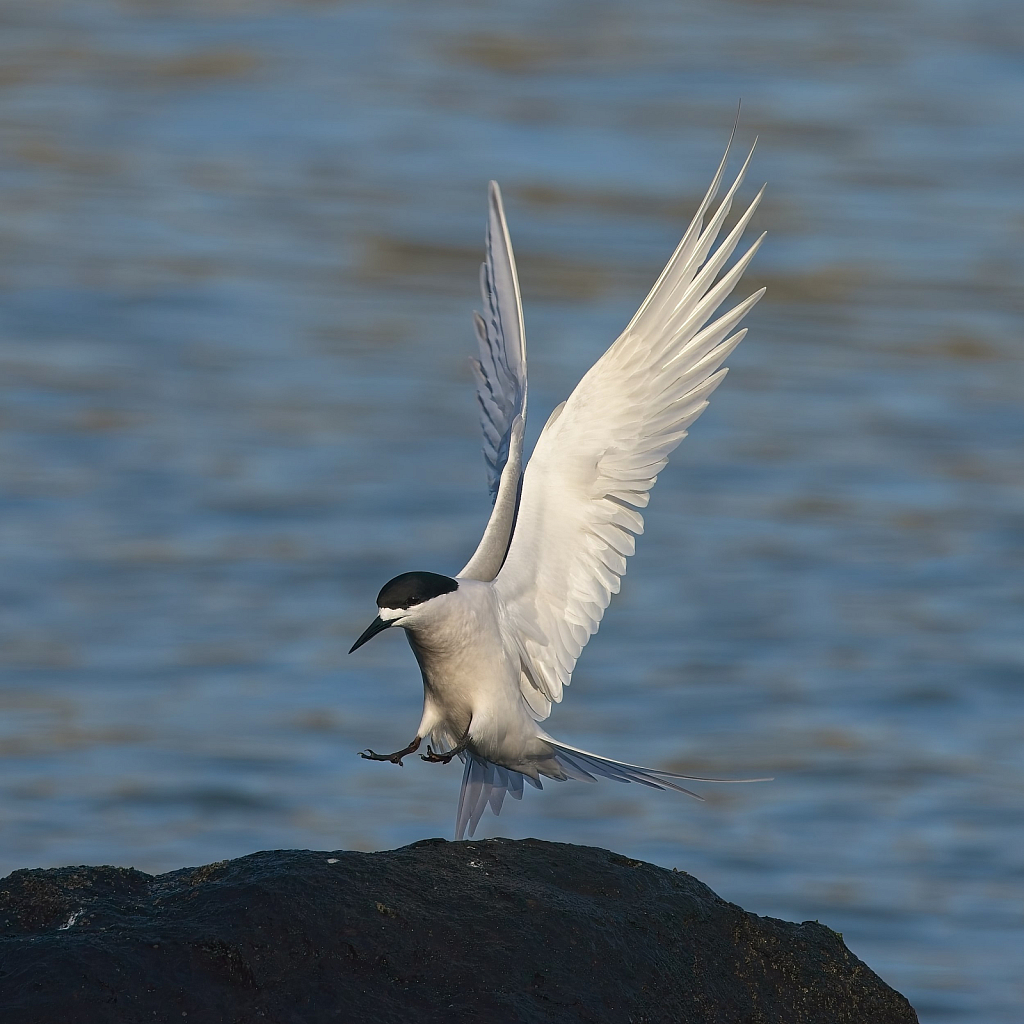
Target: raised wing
{"x": 601, "y": 451}
{"x": 500, "y": 374}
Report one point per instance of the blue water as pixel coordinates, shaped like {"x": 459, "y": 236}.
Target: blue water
{"x": 238, "y": 252}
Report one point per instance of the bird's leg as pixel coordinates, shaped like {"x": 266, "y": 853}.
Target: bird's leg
{"x": 396, "y": 757}
{"x": 436, "y": 757}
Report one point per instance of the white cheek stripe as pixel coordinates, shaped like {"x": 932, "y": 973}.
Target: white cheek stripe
{"x": 390, "y": 614}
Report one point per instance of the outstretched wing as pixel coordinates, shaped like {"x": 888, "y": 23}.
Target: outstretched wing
{"x": 601, "y": 451}
{"x": 500, "y": 374}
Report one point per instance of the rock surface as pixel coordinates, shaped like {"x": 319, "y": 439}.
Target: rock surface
{"x": 494, "y": 931}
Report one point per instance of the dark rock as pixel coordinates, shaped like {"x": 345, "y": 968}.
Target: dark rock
{"x": 494, "y": 932}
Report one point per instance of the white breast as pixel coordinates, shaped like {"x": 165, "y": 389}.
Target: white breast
{"x": 471, "y": 678}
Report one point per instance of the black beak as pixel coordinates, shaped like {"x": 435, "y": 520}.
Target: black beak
{"x": 371, "y": 631}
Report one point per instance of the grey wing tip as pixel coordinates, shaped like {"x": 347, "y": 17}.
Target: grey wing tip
{"x": 494, "y": 199}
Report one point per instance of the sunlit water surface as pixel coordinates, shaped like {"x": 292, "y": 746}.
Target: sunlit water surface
{"x": 239, "y": 252}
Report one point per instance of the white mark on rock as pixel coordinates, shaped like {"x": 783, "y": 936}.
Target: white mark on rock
{"x": 332, "y": 860}
{"x": 475, "y": 864}
{"x": 70, "y": 921}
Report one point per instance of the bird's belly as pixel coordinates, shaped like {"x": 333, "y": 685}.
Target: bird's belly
{"x": 475, "y": 696}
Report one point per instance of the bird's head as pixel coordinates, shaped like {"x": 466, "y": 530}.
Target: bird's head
{"x": 406, "y": 601}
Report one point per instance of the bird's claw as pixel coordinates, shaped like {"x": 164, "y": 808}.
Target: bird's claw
{"x": 395, "y": 758}
{"x": 435, "y": 757}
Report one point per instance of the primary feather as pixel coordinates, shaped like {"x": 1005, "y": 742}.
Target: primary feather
{"x": 500, "y": 374}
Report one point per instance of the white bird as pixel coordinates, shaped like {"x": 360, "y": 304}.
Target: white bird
{"x": 497, "y": 643}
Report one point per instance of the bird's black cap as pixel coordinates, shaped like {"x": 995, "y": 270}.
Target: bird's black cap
{"x": 414, "y": 588}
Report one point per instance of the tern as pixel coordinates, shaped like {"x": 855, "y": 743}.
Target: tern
{"x": 497, "y": 643}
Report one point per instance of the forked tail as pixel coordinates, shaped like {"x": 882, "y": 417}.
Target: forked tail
{"x": 484, "y": 783}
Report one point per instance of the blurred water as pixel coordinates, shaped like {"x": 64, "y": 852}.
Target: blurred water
{"x": 238, "y": 251}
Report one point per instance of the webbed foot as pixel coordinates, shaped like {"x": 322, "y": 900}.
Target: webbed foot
{"x": 437, "y": 757}
{"x": 396, "y": 757}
